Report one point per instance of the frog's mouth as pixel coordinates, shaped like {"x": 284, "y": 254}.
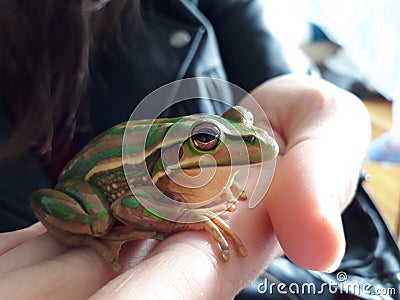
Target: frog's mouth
{"x": 227, "y": 164}
{"x": 227, "y": 157}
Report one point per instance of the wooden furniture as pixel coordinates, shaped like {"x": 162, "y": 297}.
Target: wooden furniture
{"x": 383, "y": 182}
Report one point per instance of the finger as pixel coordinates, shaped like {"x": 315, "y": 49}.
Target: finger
{"x": 326, "y": 132}
{"x": 12, "y": 239}
{"x": 305, "y": 217}
{"x": 187, "y": 265}
{"x": 76, "y": 274}
{"x": 32, "y": 251}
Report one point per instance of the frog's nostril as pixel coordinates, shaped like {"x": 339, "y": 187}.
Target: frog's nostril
{"x": 273, "y": 147}
{"x": 250, "y": 139}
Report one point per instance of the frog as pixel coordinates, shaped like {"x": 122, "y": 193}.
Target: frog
{"x": 96, "y": 204}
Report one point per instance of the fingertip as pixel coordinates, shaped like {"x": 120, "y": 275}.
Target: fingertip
{"x": 316, "y": 246}
{"x": 306, "y": 219}
{"x": 311, "y": 233}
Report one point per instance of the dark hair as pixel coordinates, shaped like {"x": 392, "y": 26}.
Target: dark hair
{"x": 45, "y": 54}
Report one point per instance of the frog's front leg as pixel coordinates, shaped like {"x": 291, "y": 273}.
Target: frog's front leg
{"x": 229, "y": 196}
{"x": 237, "y": 191}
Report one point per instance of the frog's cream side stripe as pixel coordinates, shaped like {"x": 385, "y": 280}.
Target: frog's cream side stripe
{"x": 104, "y": 166}
{"x": 114, "y": 162}
{"x": 108, "y": 145}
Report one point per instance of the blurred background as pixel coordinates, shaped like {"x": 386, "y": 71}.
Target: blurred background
{"x": 356, "y": 45}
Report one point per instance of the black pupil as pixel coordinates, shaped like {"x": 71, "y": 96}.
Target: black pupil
{"x": 205, "y": 136}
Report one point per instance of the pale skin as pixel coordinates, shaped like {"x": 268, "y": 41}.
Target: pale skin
{"x": 323, "y": 133}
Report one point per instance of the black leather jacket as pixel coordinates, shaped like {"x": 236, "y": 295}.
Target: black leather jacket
{"x": 218, "y": 39}
{"x": 225, "y": 39}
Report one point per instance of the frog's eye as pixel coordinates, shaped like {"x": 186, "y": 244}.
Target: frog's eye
{"x": 206, "y": 137}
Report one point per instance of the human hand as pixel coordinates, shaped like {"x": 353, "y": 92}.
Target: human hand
{"x": 322, "y": 132}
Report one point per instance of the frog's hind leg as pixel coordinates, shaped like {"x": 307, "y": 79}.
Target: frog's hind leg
{"x": 76, "y": 207}
{"x": 75, "y": 215}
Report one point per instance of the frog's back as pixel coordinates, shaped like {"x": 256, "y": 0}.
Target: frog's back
{"x": 103, "y": 154}
{"x": 105, "y": 146}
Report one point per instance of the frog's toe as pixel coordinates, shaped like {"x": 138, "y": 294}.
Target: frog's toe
{"x": 116, "y": 265}
{"x": 216, "y": 233}
{"x": 232, "y": 208}
{"x": 226, "y": 255}
{"x": 159, "y": 236}
{"x": 218, "y": 222}
{"x": 242, "y": 250}
{"x": 242, "y": 196}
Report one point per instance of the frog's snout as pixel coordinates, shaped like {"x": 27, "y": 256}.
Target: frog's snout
{"x": 270, "y": 148}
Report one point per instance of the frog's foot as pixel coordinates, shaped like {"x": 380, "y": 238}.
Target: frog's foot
{"x": 217, "y": 227}
{"x": 214, "y": 227}
{"x": 107, "y": 246}
{"x": 227, "y": 201}
{"x": 109, "y": 250}
{"x": 229, "y": 197}
{"x": 127, "y": 233}
{"x": 110, "y": 244}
